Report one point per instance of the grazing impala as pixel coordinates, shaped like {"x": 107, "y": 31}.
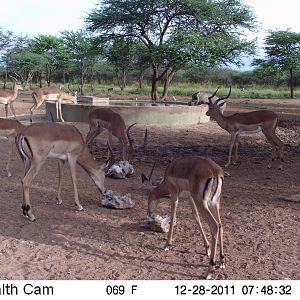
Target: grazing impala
{"x": 10, "y": 129}
{"x": 200, "y": 179}
{"x": 7, "y": 97}
{"x": 64, "y": 142}
{"x": 51, "y": 93}
{"x": 102, "y": 119}
{"x": 238, "y": 124}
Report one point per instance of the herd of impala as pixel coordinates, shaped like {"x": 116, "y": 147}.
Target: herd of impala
{"x": 196, "y": 177}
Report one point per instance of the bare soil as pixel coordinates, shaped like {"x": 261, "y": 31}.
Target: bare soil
{"x": 259, "y": 210}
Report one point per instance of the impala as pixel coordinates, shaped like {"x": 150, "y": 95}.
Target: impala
{"x": 39, "y": 141}
{"x": 102, "y": 119}
{"x": 200, "y": 179}
{"x": 264, "y": 121}
{"x": 51, "y": 93}
{"x": 7, "y": 97}
{"x": 10, "y": 129}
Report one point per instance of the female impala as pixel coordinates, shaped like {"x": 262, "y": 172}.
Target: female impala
{"x": 51, "y": 93}
{"x": 7, "y": 97}
{"x": 106, "y": 119}
{"x": 201, "y": 180}
{"x": 39, "y": 141}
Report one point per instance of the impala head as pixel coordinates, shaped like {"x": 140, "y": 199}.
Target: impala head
{"x": 18, "y": 85}
{"x": 214, "y": 107}
{"x": 73, "y": 94}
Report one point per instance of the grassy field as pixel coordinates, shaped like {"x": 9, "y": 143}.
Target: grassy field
{"x": 186, "y": 90}
{"x": 181, "y": 90}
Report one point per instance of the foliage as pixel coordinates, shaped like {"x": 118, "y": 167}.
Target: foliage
{"x": 176, "y": 33}
{"x": 81, "y": 49}
{"x": 27, "y": 63}
{"x": 52, "y": 49}
{"x": 282, "y": 53}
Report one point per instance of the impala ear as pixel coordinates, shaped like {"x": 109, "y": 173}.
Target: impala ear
{"x": 220, "y": 105}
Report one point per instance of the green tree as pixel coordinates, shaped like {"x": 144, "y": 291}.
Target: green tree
{"x": 9, "y": 44}
{"x": 25, "y": 64}
{"x": 176, "y": 33}
{"x": 121, "y": 55}
{"x": 282, "y": 50}
{"x": 81, "y": 49}
{"x": 51, "y": 48}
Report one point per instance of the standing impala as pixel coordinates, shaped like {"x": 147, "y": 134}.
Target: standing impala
{"x": 64, "y": 142}
{"x": 238, "y": 124}
{"x": 200, "y": 179}
{"x": 10, "y": 129}
{"x": 102, "y": 119}
{"x": 51, "y": 93}
{"x": 7, "y": 97}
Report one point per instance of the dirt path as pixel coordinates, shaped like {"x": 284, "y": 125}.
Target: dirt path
{"x": 261, "y": 236}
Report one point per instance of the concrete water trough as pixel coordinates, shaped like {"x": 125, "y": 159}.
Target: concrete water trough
{"x": 141, "y": 112}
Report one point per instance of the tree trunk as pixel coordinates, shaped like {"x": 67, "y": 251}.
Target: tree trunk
{"x": 81, "y": 77}
{"x": 40, "y": 79}
{"x": 154, "y": 83}
{"x": 5, "y": 79}
{"x": 122, "y": 79}
{"x": 169, "y": 77}
{"x": 48, "y": 74}
{"x": 141, "y": 79}
{"x": 292, "y": 82}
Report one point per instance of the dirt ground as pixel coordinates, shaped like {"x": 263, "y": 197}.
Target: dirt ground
{"x": 261, "y": 228}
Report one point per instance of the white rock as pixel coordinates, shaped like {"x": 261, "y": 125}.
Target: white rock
{"x": 114, "y": 199}
{"x": 158, "y": 223}
{"x": 121, "y": 170}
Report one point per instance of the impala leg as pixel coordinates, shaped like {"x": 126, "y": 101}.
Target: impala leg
{"x": 60, "y": 175}
{"x": 214, "y": 229}
{"x": 72, "y": 163}
{"x": 236, "y": 147}
{"x": 280, "y": 146}
{"x": 109, "y": 142}
{"x": 56, "y": 108}
{"x": 29, "y": 176}
{"x": 174, "y": 204}
{"x": 10, "y": 149}
{"x": 6, "y": 110}
{"x": 59, "y": 110}
{"x": 33, "y": 109}
{"x": 275, "y": 141}
{"x": 11, "y": 105}
{"x": 216, "y": 214}
{"x": 197, "y": 218}
{"x": 231, "y": 145}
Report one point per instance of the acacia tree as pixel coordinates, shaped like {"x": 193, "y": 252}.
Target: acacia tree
{"x": 282, "y": 50}
{"x": 176, "y": 32}
{"x": 81, "y": 49}
{"x": 10, "y": 44}
{"x": 25, "y": 64}
{"x": 51, "y": 48}
{"x": 121, "y": 55}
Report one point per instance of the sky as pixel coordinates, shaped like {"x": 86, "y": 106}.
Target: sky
{"x": 33, "y": 17}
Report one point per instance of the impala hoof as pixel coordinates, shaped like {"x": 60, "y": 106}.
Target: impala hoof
{"x": 79, "y": 207}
